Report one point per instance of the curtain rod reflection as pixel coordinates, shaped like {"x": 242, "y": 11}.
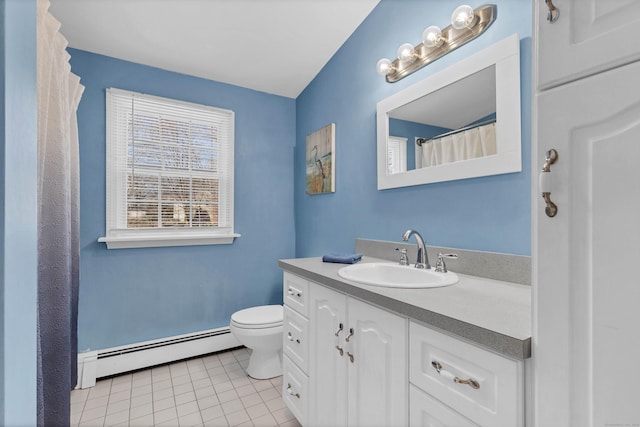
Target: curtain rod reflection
{"x": 421, "y": 141}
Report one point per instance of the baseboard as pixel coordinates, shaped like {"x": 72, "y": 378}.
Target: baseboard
{"x": 116, "y": 360}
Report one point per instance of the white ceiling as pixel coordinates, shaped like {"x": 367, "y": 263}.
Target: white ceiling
{"x": 274, "y": 46}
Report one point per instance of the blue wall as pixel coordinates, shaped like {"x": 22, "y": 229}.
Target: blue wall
{"x": 131, "y": 295}
{"x": 18, "y": 213}
{"x": 490, "y": 213}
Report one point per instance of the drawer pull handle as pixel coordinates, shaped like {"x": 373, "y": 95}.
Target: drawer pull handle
{"x": 470, "y": 382}
{"x": 295, "y": 292}
{"x": 290, "y": 391}
{"x": 290, "y": 338}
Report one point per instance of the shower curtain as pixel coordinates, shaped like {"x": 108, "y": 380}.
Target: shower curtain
{"x": 59, "y": 93}
{"x": 472, "y": 143}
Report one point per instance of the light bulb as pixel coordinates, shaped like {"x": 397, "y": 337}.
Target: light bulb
{"x": 384, "y": 66}
{"x": 432, "y": 36}
{"x": 463, "y": 17}
{"x": 406, "y": 52}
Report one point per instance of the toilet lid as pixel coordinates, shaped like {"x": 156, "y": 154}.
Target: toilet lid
{"x": 259, "y": 317}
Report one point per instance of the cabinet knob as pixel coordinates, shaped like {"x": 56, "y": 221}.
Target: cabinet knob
{"x": 337, "y": 334}
{"x": 553, "y": 14}
{"x": 292, "y": 392}
{"x": 351, "y": 332}
{"x": 290, "y": 338}
{"x": 294, "y": 292}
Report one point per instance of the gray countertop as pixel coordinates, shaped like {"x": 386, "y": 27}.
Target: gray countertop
{"x": 491, "y": 313}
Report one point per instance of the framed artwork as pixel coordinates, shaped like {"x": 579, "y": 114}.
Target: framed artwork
{"x": 321, "y": 160}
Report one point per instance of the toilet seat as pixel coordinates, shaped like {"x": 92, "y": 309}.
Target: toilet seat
{"x": 262, "y": 317}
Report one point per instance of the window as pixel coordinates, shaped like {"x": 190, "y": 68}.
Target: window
{"x": 396, "y": 155}
{"x": 169, "y": 172}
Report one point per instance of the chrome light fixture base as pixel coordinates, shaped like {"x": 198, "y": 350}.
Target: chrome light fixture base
{"x": 453, "y": 39}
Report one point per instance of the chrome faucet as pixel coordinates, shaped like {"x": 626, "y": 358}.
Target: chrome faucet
{"x": 422, "y": 261}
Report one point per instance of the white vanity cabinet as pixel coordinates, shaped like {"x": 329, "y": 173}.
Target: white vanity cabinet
{"x": 357, "y": 361}
{"x": 351, "y": 363}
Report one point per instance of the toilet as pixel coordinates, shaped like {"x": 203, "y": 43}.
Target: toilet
{"x": 260, "y": 329}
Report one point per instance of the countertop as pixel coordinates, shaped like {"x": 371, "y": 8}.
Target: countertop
{"x": 492, "y": 313}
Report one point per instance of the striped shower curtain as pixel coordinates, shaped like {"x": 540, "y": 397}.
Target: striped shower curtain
{"x": 59, "y": 93}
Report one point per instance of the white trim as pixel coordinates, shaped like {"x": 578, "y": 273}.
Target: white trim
{"x": 116, "y": 360}
{"x": 148, "y": 241}
{"x": 87, "y": 369}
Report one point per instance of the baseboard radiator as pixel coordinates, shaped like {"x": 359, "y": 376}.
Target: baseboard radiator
{"x": 116, "y": 360}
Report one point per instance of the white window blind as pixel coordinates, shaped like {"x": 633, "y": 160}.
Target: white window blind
{"x": 169, "y": 171}
{"x": 396, "y": 155}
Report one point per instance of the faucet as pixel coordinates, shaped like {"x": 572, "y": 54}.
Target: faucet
{"x": 422, "y": 261}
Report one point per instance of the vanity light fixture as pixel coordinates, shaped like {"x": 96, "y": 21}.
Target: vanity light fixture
{"x": 466, "y": 24}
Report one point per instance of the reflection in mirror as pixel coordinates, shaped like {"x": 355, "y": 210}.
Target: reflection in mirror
{"x": 396, "y": 155}
{"x": 437, "y": 137}
{"x": 460, "y": 123}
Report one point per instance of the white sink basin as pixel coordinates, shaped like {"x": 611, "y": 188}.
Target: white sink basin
{"x": 393, "y": 275}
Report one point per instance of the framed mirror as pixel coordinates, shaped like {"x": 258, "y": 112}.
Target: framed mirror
{"x": 462, "y": 122}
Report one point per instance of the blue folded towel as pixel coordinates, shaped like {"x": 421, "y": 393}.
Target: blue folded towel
{"x": 342, "y": 258}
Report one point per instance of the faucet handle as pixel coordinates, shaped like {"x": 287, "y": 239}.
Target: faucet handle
{"x": 441, "y": 267}
{"x": 404, "y": 260}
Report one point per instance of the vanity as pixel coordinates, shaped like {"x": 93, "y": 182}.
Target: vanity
{"x": 362, "y": 355}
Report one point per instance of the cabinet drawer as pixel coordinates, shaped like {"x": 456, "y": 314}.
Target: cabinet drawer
{"x": 296, "y": 293}
{"x": 296, "y": 338}
{"x": 437, "y": 360}
{"x": 425, "y": 411}
{"x": 295, "y": 390}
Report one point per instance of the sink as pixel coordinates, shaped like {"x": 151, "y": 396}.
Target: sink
{"x": 393, "y": 275}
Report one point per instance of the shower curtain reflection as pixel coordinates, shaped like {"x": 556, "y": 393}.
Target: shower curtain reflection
{"x": 472, "y": 143}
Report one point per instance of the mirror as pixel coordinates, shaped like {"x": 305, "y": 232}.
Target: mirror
{"x": 462, "y": 122}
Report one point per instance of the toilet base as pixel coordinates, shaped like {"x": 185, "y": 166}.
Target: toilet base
{"x": 265, "y": 364}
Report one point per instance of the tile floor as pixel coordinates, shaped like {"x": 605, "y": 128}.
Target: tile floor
{"x": 212, "y": 390}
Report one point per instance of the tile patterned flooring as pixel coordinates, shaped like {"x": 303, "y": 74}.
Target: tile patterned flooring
{"x": 213, "y": 390}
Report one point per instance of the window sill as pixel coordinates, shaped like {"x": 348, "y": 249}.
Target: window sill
{"x": 127, "y": 242}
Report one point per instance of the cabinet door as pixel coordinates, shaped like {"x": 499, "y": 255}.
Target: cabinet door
{"x": 378, "y": 375}
{"x": 589, "y": 36}
{"x": 328, "y": 374}
{"x": 586, "y": 292}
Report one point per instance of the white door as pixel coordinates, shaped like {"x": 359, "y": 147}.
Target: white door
{"x": 328, "y": 369}
{"x": 589, "y": 36}
{"x": 586, "y": 344}
{"x": 378, "y": 376}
